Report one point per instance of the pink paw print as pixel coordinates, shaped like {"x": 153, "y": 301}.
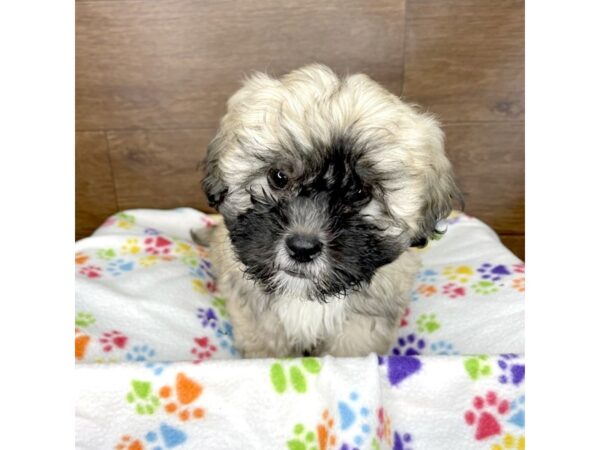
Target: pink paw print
{"x": 203, "y": 349}
{"x": 404, "y": 319}
{"x": 485, "y": 413}
{"x": 113, "y": 339}
{"x": 91, "y": 271}
{"x": 519, "y": 267}
{"x": 453, "y": 290}
{"x": 157, "y": 245}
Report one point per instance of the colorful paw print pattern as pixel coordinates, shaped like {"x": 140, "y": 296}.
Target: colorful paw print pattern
{"x": 409, "y": 345}
{"x": 182, "y": 398}
{"x": 428, "y": 323}
{"x": 321, "y": 437}
{"x": 399, "y": 368}
{"x": 291, "y": 376}
{"x": 513, "y": 369}
{"x": 354, "y": 419}
{"x": 142, "y": 397}
{"x": 165, "y": 437}
{"x": 478, "y": 367}
{"x": 510, "y": 442}
{"x": 486, "y": 414}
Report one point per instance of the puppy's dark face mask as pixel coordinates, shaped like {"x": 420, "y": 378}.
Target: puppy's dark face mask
{"x": 308, "y": 231}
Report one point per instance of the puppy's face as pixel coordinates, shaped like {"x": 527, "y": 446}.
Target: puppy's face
{"x": 321, "y": 181}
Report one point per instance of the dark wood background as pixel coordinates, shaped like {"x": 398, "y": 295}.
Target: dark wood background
{"x": 153, "y": 76}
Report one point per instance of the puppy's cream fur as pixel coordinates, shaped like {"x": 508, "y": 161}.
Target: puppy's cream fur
{"x": 412, "y": 188}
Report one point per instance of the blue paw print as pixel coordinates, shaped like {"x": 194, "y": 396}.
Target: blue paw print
{"x": 354, "y": 417}
{"x": 427, "y": 276}
{"x": 151, "y": 231}
{"x": 157, "y": 367}
{"x": 208, "y": 317}
{"x": 513, "y": 369}
{"x": 166, "y": 437}
{"x": 517, "y": 408}
{"x": 443, "y": 348}
{"x": 140, "y": 353}
{"x": 402, "y": 441}
{"x": 119, "y": 266}
{"x": 225, "y": 336}
{"x": 493, "y": 273}
{"x": 414, "y": 295}
{"x": 410, "y": 345}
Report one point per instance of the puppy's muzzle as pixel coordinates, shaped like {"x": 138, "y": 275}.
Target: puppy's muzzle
{"x": 303, "y": 248}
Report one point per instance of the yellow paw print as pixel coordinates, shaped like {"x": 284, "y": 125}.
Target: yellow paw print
{"x": 198, "y": 286}
{"x": 510, "y": 442}
{"x": 131, "y": 247}
{"x": 461, "y": 274}
{"x": 148, "y": 261}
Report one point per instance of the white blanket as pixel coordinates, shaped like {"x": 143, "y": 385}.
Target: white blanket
{"x": 155, "y": 335}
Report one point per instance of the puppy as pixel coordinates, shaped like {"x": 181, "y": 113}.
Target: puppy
{"x": 323, "y": 184}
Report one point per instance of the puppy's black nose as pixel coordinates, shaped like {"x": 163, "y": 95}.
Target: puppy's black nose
{"x": 303, "y": 248}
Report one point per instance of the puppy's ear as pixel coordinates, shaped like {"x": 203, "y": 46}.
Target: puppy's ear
{"x": 441, "y": 196}
{"x": 213, "y": 184}
{"x": 440, "y": 192}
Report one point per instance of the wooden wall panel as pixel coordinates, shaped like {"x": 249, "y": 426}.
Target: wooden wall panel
{"x": 465, "y": 58}
{"x": 173, "y": 63}
{"x": 95, "y": 197}
{"x": 159, "y": 169}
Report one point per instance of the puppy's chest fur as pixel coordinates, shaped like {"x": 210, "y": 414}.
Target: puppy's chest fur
{"x": 306, "y": 323}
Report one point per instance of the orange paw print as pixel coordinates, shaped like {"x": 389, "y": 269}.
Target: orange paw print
{"x": 384, "y": 428}
{"x": 80, "y": 258}
{"x": 427, "y": 290}
{"x": 519, "y": 284}
{"x": 126, "y": 443}
{"x": 325, "y": 434}
{"x": 81, "y": 343}
{"x": 186, "y": 392}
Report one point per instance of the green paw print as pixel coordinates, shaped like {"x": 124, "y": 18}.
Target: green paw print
{"x": 485, "y": 287}
{"x": 141, "y": 395}
{"x": 219, "y": 304}
{"x": 477, "y": 367}
{"x": 296, "y": 375}
{"x": 428, "y": 323}
{"x": 106, "y": 253}
{"x": 302, "y": 440}
{"x": 190, "y": 260}
{"x": 84, "y": 319}
{"x": 375, "y": 445}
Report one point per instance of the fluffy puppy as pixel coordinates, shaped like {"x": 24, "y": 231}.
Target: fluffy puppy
{"x": 323, "y": 184}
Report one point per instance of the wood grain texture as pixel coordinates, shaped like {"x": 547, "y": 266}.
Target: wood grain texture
{"x": 173, "y": 63}
{"x": 95, "y": 198}
{"x": 489, "y": 164}
{"x": 464, "y": 59}
{"x": 159, "y": 169}
{"x": 515, "y": 243}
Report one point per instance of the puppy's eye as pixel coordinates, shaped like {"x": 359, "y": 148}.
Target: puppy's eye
{"x": 360, "y": 197}
{"x": 278, "y": 179}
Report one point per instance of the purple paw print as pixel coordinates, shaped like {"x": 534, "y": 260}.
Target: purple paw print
{"x": 513, "y": 370}
{"x": 202, "y": 270}
{"x": 400, "y": 367}
{"x": 493, "y": 273}
{"x": 207, "y": 317}
{"x": 151, "y": 231}
{"x": 410, "y": 345}
{"x": 402, "y": 441}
